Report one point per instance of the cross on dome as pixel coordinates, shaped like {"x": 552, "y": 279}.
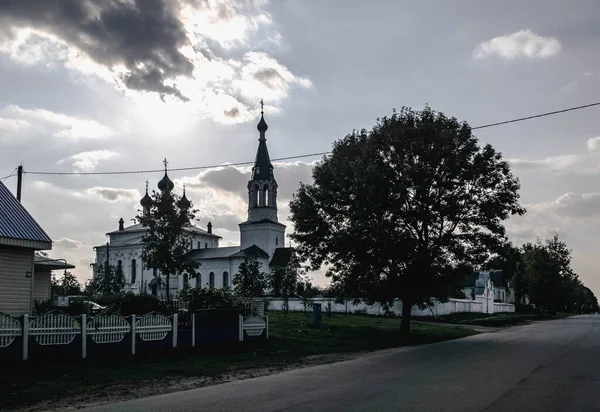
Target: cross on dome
{"x": 165, "y": 163}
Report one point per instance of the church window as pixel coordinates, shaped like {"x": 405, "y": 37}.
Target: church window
{"x": 211, "y": 280}
{"x": 154, "y": 272}
{"x": 133, "y": 270}
{"x": 205, "y": 245}
{"x": 199, "y": 243}
{"x": 119, "y": 266}
{"x": 225, "y": 280}
{"x": 186, "y": 279}
{"x": 276, "y": 241}
{"x": 264, "y": 195}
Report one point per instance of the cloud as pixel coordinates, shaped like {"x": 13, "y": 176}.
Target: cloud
{"x": 16, "y": 120}
{"x": 571, "y": 206}
{"x": 87, "y": 161}
{"x": 587, "y": 163}
{"x": 113, "y": 194}
{"x": 67, "y": 243}
{"x": 523, "y": 43}
{"x": 180, "y": 50}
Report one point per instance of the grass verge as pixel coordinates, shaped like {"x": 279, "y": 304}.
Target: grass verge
{"x": 293, "y": 343}
{"x": 491, "y": 320}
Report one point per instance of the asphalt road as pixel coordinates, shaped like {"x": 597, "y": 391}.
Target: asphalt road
{"x": 546, "y": 366}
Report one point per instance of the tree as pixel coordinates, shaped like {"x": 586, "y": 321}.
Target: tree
{"x": 250, "y": 282}
{"x": 106, "y": 282}
{"x": 66, "y": 286}
{"x": 403, "y": 210}
{"x": 167, "y": 240}
{"x": 284, "y": 280}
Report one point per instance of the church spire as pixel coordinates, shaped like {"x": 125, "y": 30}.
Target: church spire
{"x": 262, "y": 188}
{"x": 166, "y": 184}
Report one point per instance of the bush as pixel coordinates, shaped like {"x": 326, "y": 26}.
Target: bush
{"x": 140, "y": 305}
{"x": 203, "y": 298}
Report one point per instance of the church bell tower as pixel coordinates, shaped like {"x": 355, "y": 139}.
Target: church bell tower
{"x": 262, "y": 227}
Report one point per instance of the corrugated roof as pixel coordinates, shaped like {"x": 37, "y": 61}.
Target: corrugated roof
{"x": 15, "y": 220}
{"x": 226, "y": 252}
{"x": 51, "y": 264}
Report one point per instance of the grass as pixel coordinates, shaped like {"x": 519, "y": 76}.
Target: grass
{"x": 293, "y": 342}
{"x": 491, "y": 320}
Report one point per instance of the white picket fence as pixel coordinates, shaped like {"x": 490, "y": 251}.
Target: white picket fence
{"x": 56, "y": 328}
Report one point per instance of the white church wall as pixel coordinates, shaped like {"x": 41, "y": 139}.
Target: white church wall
{"x": 266, "y": 236}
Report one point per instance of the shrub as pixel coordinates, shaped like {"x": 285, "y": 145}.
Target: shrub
{"x": 204, "y": 298}
{"x": 140, "y": 305}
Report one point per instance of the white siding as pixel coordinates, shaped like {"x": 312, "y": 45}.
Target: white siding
{"x": 41, "y": 286}
{"x": 15, "y": 287}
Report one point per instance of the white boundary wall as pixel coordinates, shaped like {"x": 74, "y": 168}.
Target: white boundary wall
{"x": 438, "y": 309}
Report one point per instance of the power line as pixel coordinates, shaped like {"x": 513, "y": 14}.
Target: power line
{"x": 10, "y": 175}
{"x": 535, "y": 116}
{"x": 181, "y": 169}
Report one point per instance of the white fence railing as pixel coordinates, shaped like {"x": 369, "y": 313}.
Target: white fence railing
{"x": 57, "y": 329}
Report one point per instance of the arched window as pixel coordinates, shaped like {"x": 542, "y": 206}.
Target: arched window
{"x": 276, "y": 240}
{"x": 264, "y": 195}
{"x": 133, "y": 270}
{"x": 205, "y": 245}
{"x": 254, "y": 196}
{"x": 186, "y": 279}
{"x": 225, "y": 280}
{"x": 119, "y": 266}
{"x": 211, "y": 280}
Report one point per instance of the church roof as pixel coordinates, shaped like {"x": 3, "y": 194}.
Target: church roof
{"x": 282, "y": 256}
{"x": 45, "y": 263}
{"x": 17, "y": 223}
{"x": 247, "y": 222}
{"x": 139, "y": 228}
{"x": 226, "y": 252}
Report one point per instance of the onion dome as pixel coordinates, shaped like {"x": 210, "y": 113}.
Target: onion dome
{"x": 165, "y": 185}
{"x": 262, "y": 125}
{"x": 184, "y": 203}
{"x": 146, "y": 201}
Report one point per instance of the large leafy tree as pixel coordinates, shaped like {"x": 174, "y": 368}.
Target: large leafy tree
{"x": 66, "y": 285}
{"x": 404, "y": 209}
{"x": 250, "y": 282}
{"x": 167, "y": 240}
{"x": 283, "y": 280}
{"x": 109, "y": 281}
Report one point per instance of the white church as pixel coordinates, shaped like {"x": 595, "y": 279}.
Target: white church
{"x": 261, "y": 236}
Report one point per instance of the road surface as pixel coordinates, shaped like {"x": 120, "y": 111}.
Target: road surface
{"x": 545, "y": 366}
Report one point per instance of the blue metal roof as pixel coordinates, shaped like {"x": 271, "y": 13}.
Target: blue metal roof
{"x": 15, "y": 220}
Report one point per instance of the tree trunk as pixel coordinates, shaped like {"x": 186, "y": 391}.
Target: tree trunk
{"x": 405, "y": 322}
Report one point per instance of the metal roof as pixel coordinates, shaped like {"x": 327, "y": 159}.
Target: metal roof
{"x": 50, "y": 264}
{"x": 15, "y": 220}
{"x": 226, "y": 252}
{"x": 139, "y": 228}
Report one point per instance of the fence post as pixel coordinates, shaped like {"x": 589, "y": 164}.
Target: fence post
{"x": 267, "y": 322}
{"x": 25, "y": 336}
{"x": 241, "y": 328}
{"x": 193, "y": 329}
{"x": 174, "y": 320}
{"x": 83, "y": 336}
{"x": 133, "y": 333}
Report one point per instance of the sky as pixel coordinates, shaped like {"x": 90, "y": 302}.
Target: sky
{"x": 119, "y": 85}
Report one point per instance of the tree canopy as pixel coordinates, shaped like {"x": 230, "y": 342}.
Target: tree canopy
{"x": 166, "y": 240}
{"x": 403, "y": 210}
{"x": 109, "y": 281}
{"x": 250, "y": 282}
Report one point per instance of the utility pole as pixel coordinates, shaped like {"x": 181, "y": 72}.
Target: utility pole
{"x": 19, "y": 181}
{"x": 107, "y": 267}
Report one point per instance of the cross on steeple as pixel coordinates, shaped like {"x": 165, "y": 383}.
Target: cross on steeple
{"x": 146, "y": 185}
{"x": 262, "y": 106}
{"x": 165, "y": 163}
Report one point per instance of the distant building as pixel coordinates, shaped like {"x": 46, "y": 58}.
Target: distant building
{"x": 475, "y": 285}
{"x": 261, "y": 236}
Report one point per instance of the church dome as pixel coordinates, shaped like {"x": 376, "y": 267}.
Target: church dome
{"x": 262, "y": 125}
{"x": 165, "y": 184}
{"x": 184, "y": 203}
{"x": 146, "y": 201}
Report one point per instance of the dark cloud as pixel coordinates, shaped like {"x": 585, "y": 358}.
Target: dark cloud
{"x": 269, "y": 77}
{"x": 233, "y": 112}
{"x": 112, "y": 194}
{"x": 143, "y": 35}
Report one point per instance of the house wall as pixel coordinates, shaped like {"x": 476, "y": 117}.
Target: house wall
{"x": 42, "y": 286}
{"x": 15, "y": 287}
